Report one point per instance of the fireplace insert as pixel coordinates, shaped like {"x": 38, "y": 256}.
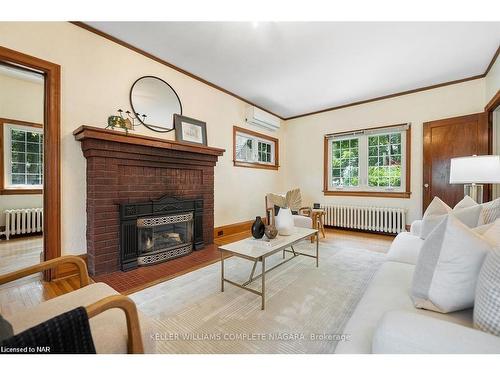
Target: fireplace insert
{"x": 159, "y": 230}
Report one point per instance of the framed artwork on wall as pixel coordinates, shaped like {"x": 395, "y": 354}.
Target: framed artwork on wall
{"x": 190, "y": 130}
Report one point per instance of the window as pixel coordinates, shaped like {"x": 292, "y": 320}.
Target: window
{"x": 23, "y": 157}
{"x": 371, "y": 162}
{"x": 345, "y": 162}
{"x": 254, "y": 150}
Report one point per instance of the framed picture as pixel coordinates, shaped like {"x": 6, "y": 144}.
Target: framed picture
{"x": 189, "y": 130}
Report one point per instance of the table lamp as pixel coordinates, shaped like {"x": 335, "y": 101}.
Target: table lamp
{"x": 473, "y": 171}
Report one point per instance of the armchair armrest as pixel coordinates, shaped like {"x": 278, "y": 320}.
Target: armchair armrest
{"x": 305, "y": 211}
{"x": 404, "y": 332}
{"x": 124, "y": 303}
{"x": 47, "y": 265}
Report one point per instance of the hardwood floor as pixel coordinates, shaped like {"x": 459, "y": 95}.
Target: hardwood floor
{"x": 28, "y": 292}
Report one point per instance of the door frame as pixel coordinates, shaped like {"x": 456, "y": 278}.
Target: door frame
{"x": 492, "y": 105}
{"x": 51, "y": 145}
{"x": 427, "y": 126}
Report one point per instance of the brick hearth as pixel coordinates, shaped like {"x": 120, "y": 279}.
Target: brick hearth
{"x": 128, "y": 169}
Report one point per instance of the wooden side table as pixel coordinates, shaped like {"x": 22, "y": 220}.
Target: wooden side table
{"x": 318, "y": 219}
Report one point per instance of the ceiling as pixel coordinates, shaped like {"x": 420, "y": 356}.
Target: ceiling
{"x": 292, "y": 68}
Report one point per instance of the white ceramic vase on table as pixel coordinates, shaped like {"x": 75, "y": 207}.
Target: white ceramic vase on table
{"x": 284, "y": 222}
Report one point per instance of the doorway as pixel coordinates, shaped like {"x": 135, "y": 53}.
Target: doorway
{"x": 446, "y": 139}
{"x": 31, "y": 153}
{"x": 21, "y": 167}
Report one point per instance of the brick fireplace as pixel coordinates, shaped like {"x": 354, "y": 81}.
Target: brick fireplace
{"x": 125, "y": 169}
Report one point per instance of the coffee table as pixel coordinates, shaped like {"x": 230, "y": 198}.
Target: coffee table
{"x": 258, "y": 250}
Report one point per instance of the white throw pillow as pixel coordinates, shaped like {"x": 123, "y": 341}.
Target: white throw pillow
{"x": 437, "y": 207}
{"x": 448, "y": 266}
{"x": 482, "y": 228}
{"x": 466, "y": 201}
{"x": 492, "y": 233}
{"x": 469, "y": 216}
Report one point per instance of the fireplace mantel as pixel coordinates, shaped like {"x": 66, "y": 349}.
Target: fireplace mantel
{"x": 123, "y": 169}
{"x": 92, "y": 132}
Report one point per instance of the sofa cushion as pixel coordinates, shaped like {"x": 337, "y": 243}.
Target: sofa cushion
{"x": 405, "y": 248}
{"x": 388, "y": 290}
{"x": 403, "y": 332}
{"x": 109, "y": 329}
{"x": 487, "y": 303}
{"x": 302, "y": 221}
{"x": 448, "y": 267}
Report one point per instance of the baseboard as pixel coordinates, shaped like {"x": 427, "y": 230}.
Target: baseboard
{"x": 361, "y": 231}
{"x": 235, "y": 228}
{"x": 67, "y": 269}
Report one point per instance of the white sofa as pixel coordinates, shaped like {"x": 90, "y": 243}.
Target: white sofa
{"x": 385, "y": 320}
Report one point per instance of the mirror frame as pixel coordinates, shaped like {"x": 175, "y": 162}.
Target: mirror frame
{"x": 153, "y": 127}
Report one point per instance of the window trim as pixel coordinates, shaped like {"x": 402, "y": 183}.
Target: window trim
{"x": 369, "y": 193}
{"x": 7, "y": 190}
{"x": 259, "y": 165}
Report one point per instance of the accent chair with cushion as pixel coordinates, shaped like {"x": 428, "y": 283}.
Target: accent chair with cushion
{"x": 293, "y": 200}
{"x": 115, "y": 324}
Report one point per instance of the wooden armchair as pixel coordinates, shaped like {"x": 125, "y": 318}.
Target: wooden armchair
{"x": 134, "y": 343}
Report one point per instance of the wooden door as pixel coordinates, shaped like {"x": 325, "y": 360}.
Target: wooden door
{"x": 446, "y": 139}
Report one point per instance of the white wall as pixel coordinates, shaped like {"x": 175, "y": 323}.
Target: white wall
{"x": 96, "y": 78}
{"x": 304, "y": 137}
{"x": 22, "y": 100}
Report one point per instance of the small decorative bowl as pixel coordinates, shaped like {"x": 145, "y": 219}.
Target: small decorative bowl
{"x": 270, "y": 231}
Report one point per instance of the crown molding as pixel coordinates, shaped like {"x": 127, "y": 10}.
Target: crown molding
{"x": 334, "y": 108}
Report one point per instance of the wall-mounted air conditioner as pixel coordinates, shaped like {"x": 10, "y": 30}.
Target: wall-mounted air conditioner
{"x": 258, "y": 117}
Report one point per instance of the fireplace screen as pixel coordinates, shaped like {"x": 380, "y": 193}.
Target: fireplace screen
{"x": 164, "y": 237}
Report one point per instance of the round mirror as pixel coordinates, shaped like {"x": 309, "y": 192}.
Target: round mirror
{"x": 155, "y": 102}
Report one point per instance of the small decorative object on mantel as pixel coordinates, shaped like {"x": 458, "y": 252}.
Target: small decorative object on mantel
{"x": 258, "y": 228}
{"x": 316, "y": 206}
{"x": 270, "y": 231}
{"x": 190, "y": 130}
{"x": 123, "y": 123}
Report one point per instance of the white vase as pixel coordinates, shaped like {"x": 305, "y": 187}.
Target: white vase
{"x": 284, "y": 222}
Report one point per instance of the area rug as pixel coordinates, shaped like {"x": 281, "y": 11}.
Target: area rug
{"x": 306, "y": 307}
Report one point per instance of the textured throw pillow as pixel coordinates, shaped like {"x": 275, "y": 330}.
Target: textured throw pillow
{"x": 448, "y": 266}
{"x": 487, "y": 303}
{"x": 469, "y": 216}
{"x": 490, "y": 212}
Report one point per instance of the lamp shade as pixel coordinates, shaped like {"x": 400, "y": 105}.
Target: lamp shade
{"x": 483, "y": 169}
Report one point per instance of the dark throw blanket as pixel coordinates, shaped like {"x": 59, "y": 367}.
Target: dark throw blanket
{"x": 68, "y": 333}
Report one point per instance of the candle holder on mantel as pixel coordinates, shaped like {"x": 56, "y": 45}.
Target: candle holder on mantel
{"x": 128, "y": 123}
